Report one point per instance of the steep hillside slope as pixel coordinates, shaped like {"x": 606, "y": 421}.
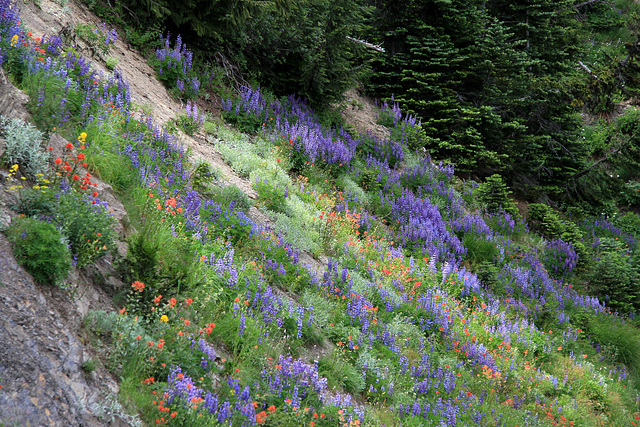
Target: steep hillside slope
{"x": 43, "y": 348}
{"x": 45, "y": 354}
{"x": 279, "y": 272}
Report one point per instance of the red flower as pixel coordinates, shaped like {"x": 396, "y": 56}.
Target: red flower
{"x": 69, "y": 146}
{"x": 81, "y": 156}
{"x": 138, "y": 286}
{"x": 58, "y": 161}
{"x": 75, "y": 177}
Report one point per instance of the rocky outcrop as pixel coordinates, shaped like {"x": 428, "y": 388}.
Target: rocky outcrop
{"x": 43, "y": 359}
{"x": 13, "y": 102}
{"x": 41, "y": 356}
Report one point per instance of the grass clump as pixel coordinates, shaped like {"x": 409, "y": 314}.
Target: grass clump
{"x": 235, "y": 198}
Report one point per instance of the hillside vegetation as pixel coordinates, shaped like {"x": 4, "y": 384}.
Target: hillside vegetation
{"x": 381, "y": 287}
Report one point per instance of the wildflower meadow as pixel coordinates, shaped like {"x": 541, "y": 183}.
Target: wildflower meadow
{"x": 381, "y": 290}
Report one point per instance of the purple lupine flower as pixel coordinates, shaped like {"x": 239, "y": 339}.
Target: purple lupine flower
{"x": 242, "y": 325}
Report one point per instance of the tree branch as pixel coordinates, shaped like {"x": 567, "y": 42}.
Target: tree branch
{"x": 588, "y": 70}
{"x": 377, "y": 48}
{"x": 586, "y": 3}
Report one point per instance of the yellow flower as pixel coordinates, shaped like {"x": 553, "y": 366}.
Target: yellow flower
{"x": 164, "y": 318}
{"x": 14, "y": 168}
{"x": 82, "y": 137}
{"x": 14, "y": 40}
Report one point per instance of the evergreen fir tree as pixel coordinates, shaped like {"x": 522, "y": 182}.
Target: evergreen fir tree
{"x": 488, "y": 81}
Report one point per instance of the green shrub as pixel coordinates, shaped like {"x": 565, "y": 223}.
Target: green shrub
{"x": 331, "y": 117}
{"x": 37, "y": 203}
{"x": 39, "y": 247}
{"x": 163, "y": 262}
{"x": 298, "y": 157}
{"x": 187, "y": 124}
{"x": 226, "y": 223}
{"x": 487, "y": 273}
{"x": 572, "y": 234}
{"x": 544, "y": 220}
{"x": 615, "y": 276}
{"x": 127, "y": 354}
{"x": 113, "y": 169}
{"x": 495, "y": 194}
{"x": 414, "y": 137}
{"x": 368, "y": 180}
{"x": 97, "y": 38}
{"x": 111, "y": 62}
{"x": 203, "y": 176}
{"x": 271, "y": 196}
{"x": 51, "y": 102}
{"x": 89, "y": 365}
{"x": 629, "y": 222}
{"x": 87, "y": 225}
{"x": 23, "y": 147}
{"x": 174, "y": 66}
{"x": 142, "y": 257}
{"x": 339, "y": 373}
{"x": 247, "y": 122}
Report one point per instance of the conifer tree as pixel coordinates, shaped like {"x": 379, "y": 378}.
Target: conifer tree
{"x": 489, "y": 82}
{"x": 495, "y": 194}
{"x": 307, "y": 53}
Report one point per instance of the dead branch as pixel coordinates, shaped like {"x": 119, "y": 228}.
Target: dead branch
{"x": 588, "y": 70}
{"x": 586, "y": 3}
{"x": 377, "y": 48}
{"x": 231, "y": 71}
